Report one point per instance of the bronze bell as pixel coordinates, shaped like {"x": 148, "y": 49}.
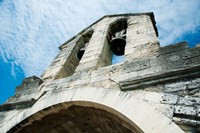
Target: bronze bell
{"x": 80, "y": 53}
{"x": 118, "y": 42}
{"x": 118, "y": 45}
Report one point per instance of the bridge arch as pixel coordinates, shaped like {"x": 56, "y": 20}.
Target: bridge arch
{"x": 57, "y": 110}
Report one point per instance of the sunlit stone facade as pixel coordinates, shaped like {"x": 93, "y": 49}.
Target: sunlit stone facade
{"x": 153, "y": 90}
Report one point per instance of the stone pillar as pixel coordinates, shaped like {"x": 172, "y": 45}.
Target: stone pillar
{"x": 97, "y": 53}
{"x": 57, "y": 68}
{"x": 141, "y": 37}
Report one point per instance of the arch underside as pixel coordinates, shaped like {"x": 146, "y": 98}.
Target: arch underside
{"x": 75, "y": 119}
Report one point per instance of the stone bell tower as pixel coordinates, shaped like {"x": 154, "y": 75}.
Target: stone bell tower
{"x": 153, "y": 89}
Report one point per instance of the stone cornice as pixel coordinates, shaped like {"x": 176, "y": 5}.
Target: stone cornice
{"x": 159, "y": 78}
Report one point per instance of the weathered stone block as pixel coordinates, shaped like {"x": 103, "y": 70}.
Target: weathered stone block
{"x": 136, "y": 65}
{"x": 150, "y": 71}
{"x": 189, "y": 100}
{"x": 198, "y": 111}
{"x": 86, "y": 66}
{"x": 161, "y": 98}
{"x": 117, "y": 77}
{"x": 186, "y": 110}
{"x": 29, "y": 85}
{"x": 173, "y": 48}
{"x": 177, "y": 86}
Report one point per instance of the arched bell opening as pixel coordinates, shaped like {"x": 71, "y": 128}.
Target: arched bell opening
{"x": 84, "y": 42}
{"x": 77, "y": 117}
{"x": 118, "y": 42}
{"x": 75, "y": 55}
{"x": 117, "y": 39}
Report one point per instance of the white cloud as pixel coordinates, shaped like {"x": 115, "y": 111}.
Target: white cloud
{"x": 31, "y": 31}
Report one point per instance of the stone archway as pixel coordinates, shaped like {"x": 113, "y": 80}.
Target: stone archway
{"x": 134, "y": 114}
{"x": 77, "y": 117}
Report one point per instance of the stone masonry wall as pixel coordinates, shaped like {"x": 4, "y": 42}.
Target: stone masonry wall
{"x": 168, "y": 78}
{"x": 169, "y": 81}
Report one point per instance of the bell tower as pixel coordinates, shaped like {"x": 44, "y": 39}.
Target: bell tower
{"x": 134, "y": 36}
{"x": 154, "y": 89}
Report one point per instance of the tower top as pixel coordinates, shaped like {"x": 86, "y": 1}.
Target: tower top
{"x": 151, "y": 14}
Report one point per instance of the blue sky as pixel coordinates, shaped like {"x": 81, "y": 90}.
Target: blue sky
{"x": 32, "y": 30}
